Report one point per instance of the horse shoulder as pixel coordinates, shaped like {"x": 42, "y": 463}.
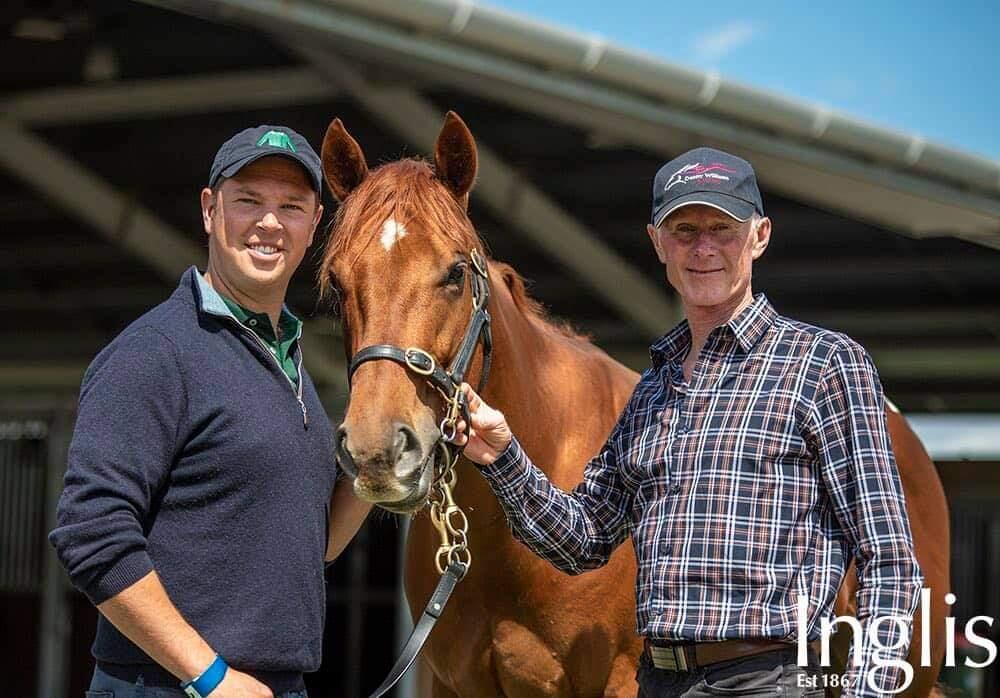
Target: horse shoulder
{"x": 525, "y": 664}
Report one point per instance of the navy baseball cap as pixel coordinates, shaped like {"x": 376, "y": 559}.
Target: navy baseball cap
{"x": 258, "y": 142}
{"x": 708, "y": 177}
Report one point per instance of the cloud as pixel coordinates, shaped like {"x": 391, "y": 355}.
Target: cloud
{"x": 719, "y": 43}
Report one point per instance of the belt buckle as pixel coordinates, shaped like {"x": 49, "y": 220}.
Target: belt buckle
{"x": 671, "y": 658}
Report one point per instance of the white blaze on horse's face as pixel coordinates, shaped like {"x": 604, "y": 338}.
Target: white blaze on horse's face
{"x": 392, "y": 232}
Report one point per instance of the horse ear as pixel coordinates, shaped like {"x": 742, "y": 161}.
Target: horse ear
{"x": 344, "y": 164}
{"x": 455, "y": 157}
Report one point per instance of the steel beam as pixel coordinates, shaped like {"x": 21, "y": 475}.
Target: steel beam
{"x": 156, "y": 98}
{"x": 56, "y": 623}
{"x": 512, "y": 198}
{"x": 910, "y": 203}
{"x": 934, "y": 364}
{"x": 127, "y": 223}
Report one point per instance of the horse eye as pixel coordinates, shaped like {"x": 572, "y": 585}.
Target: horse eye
{"x": 456, "y": 275}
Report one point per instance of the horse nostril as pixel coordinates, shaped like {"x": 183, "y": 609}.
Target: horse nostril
{"x": 405, "y": 443}
{"x": 344, "y": 454}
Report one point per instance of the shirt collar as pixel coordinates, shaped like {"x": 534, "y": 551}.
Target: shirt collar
{"x": 753, "y": 321}
{"x": 672, "y": 346}
{"x": 209, "y": 299}
{"x": 748, "y": 326}
{"x": 211, "y": 302}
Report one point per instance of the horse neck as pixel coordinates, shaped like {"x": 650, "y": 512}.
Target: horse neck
{"x": 546, "y": 384}
{"x": 530, "y": 359}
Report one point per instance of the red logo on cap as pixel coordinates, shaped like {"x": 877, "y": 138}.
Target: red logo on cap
{"x": 697, "y": 171}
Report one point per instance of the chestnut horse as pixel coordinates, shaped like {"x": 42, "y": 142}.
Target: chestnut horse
{"x": 399, "y": 258}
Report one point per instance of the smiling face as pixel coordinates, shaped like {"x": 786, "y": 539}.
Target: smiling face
{"x": 260, "y": 223}
{"x": 709, "y": 255}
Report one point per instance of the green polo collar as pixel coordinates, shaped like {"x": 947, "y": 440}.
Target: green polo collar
{"x": 289, "y": 326}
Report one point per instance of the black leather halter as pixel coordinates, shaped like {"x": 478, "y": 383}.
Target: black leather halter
{"x": 446, "y": 381}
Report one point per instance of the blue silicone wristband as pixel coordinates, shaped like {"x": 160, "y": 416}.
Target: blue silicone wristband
{"x": 208, "y": 681}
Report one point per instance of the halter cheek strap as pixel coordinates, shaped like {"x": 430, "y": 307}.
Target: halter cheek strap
{"x": 453, "y": 556}
{"x": 446, "y": 381}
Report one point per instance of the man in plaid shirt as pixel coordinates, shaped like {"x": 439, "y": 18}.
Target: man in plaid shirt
{"x": 751, "y": 464}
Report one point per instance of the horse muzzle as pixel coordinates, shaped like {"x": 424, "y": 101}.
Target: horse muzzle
{"x": 397, "y": 477}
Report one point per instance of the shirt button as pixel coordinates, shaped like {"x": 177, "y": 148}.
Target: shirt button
{"x": 675, "y": 488}
{"x": 683, "y": 428}
{"x": 252, "y": 322}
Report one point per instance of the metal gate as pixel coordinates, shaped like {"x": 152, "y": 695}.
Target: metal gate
{"x": 975, "y": 576}
{"x": 22, "y": 504}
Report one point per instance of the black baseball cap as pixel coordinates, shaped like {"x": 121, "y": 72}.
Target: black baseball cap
{"x": 258, "y": 142}
{"x": 708, "y": 177}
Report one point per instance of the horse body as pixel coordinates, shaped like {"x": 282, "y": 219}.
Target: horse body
{"x": 399, "y": 255}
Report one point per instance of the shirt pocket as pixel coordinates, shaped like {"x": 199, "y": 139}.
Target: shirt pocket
{"x": 643, "y": 445}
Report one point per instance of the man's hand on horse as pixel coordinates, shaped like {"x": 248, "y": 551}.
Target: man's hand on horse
{"x": 489, "y": 434}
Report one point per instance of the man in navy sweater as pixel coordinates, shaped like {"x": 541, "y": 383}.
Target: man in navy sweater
{"x": 199, "y": 501}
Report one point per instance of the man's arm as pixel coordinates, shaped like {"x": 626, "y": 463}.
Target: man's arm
{"x": 575, "y": 531}
{"x": 132, "y": 403}
{"x": 145, "y": 615}
{"x": 347, "y": 513}
{"x": 862, "y": 480}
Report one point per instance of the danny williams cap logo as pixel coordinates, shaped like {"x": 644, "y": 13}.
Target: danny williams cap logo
{"x": 696, "y": 171}
{"x": 277, "y": 139}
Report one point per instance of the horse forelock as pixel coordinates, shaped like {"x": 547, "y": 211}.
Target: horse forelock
{"x": 406, "y": 192}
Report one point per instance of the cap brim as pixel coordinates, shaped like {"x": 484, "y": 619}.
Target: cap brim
{"x": 735, "y": 208}
{"x": 240, "y": 164}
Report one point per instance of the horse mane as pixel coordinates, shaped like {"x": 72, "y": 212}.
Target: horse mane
{"x": 403, "y": 190}
{"x": 530, "y": 307}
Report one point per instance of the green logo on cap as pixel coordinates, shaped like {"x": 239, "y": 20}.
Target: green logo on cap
{"x": 277, "y": 139}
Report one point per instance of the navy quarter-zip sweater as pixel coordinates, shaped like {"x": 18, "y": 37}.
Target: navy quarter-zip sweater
{"x": 192, "y": 456}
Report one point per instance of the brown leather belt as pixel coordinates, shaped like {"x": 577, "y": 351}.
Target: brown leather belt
{"x": 687, "y": 657}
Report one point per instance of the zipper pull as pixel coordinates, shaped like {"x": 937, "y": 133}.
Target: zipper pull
{"x": 305, "y": 415}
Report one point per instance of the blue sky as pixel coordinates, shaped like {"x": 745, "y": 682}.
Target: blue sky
{"x": 929, "y": 68}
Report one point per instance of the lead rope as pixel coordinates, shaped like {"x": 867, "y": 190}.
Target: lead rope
{"x": 453, "y": 557}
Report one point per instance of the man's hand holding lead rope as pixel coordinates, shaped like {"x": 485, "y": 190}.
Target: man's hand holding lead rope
{"x": 490, "y": 433}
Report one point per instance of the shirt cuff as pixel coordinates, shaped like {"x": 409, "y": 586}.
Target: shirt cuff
{"x": 508, "y": 467}
{"x": 126, "y": 572}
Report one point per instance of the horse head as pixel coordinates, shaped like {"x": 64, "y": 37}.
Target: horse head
{"x": 402, "y": 258}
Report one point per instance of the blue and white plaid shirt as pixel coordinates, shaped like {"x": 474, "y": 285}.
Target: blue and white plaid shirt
{"x": 752, "y": 484}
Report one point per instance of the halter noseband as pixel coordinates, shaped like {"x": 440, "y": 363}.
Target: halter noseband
{"x": 446, "y": 381}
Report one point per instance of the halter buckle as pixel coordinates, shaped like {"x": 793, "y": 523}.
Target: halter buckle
{"x": 417, "y": 351}
{"x": 478, "y": 262}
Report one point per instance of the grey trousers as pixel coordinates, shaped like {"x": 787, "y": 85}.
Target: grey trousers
{"x": 773, "y": 674}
